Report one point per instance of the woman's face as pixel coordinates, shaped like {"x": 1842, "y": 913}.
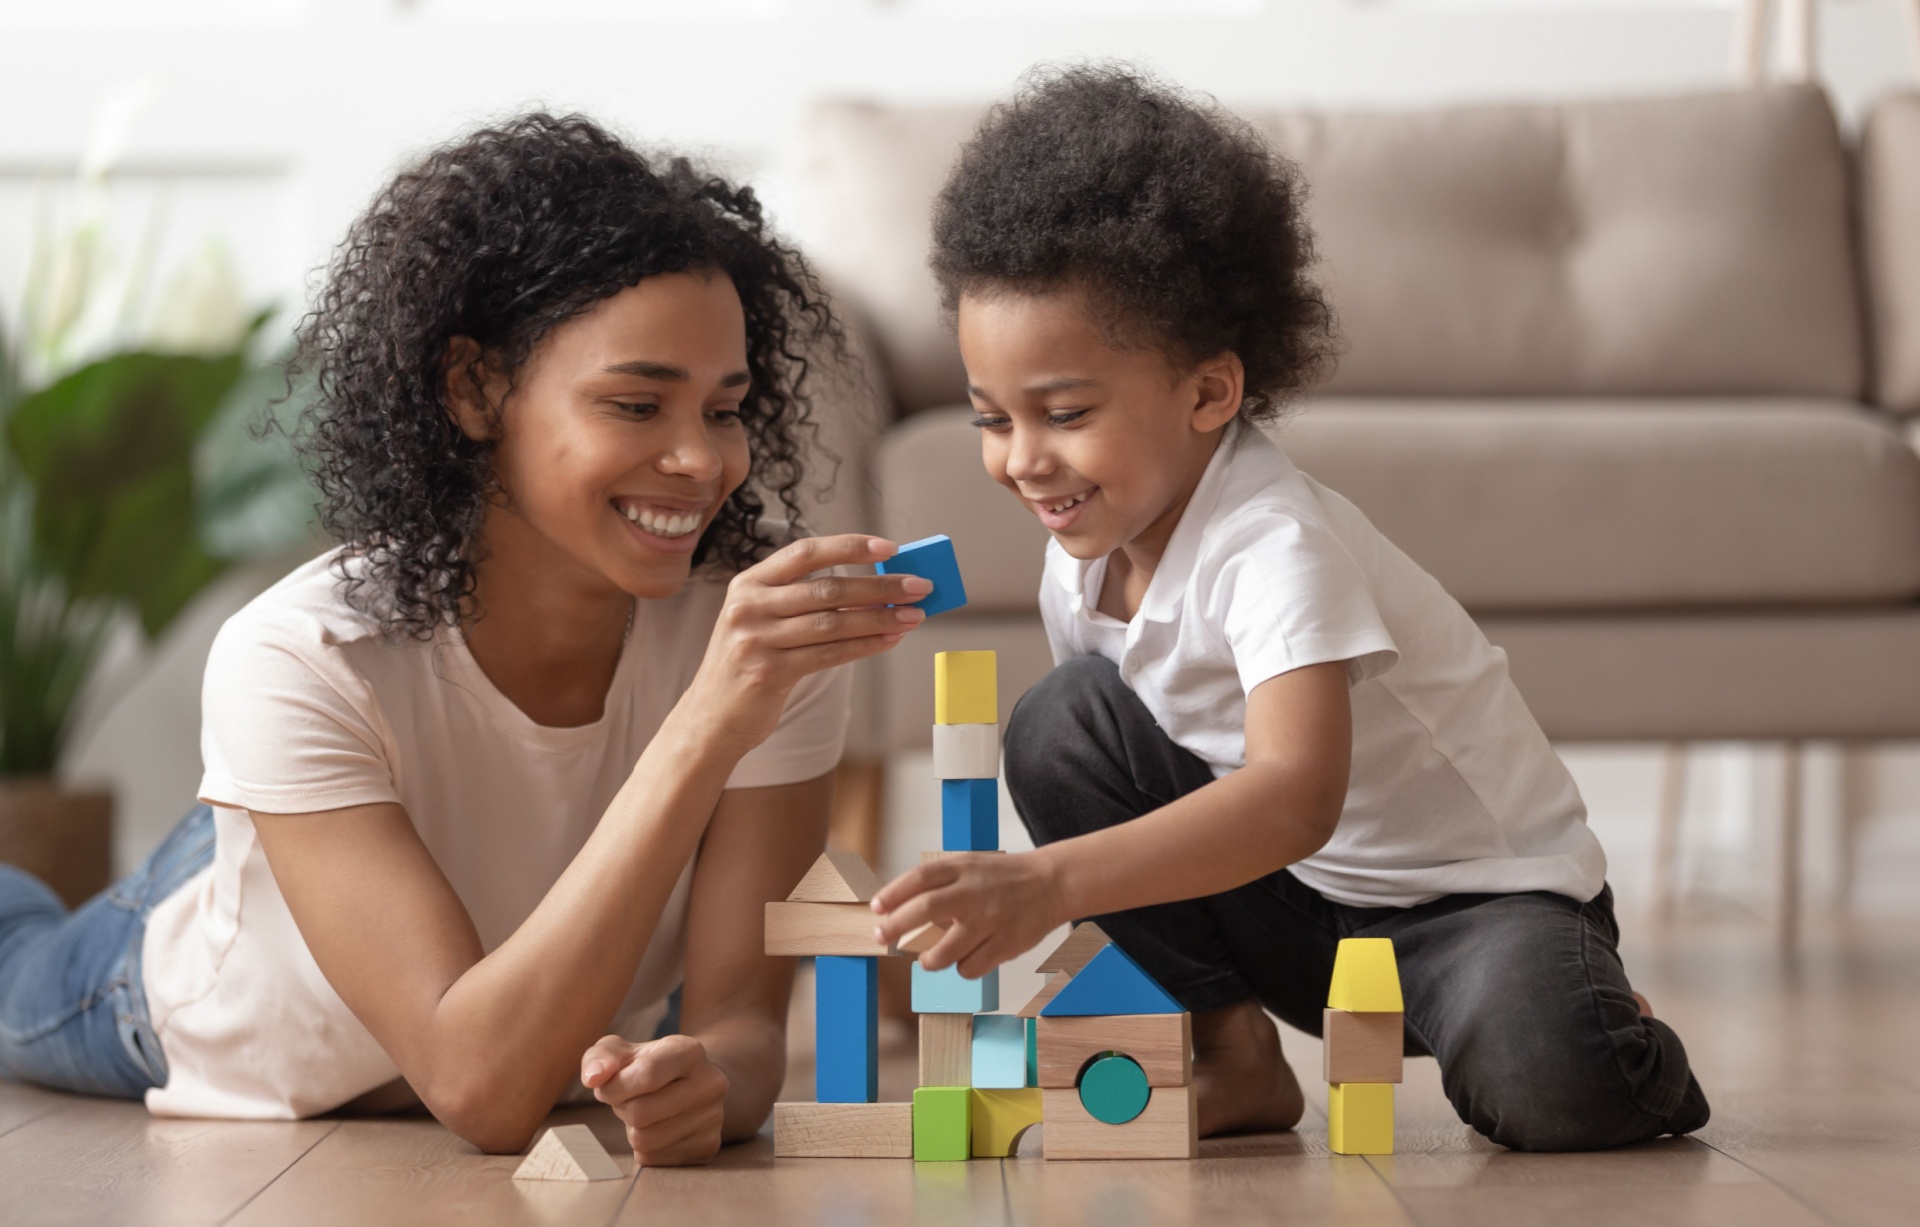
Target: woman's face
{"x": 621, "y": 437}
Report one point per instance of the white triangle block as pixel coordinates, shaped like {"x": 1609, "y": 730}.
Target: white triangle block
{"x": 568, "y": 1152}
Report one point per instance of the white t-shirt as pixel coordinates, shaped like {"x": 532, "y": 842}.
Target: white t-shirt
{"x": 1454, "y": 788}
{"x": 308, "y": 708}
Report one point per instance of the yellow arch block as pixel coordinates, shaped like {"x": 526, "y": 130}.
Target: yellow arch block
{"x": 965, "y": 688}
{"x": 998, "y": 1118}
{"x": 1366, "y": 980}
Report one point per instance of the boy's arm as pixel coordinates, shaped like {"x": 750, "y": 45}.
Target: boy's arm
{"x": 1281, "y": 807}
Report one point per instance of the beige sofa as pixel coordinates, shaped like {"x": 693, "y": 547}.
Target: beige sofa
{"x": 1628, "y": 377}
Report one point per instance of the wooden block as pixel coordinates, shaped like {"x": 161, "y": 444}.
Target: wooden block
{"x": 1359, "y": 1118}
{"x": 970, "y": 815}
{"x": 837, "y": 877}
{"x": 949, "y": 992}
{"x": 966, "y": 688}
{"x": 568, "y": 1152}
{"x": 922, "y": 939}
{"x": 930, "y": 558}
{"x": 999, "y": 1116}
{"x": 1366, "y": 980}
{"x": 846, "y": 1029}
{"x": 942, "y": 1123}
{"x": 1080, "y": 946}
{"x": 823, "y": 928}
{"x": 1111, "y": 983}
{"x": 1362, "y": 1047}
{"x": 843, "y": 1130}
{"x": 1167, "y": 1129}
{"x": 966, "y": 751}
{"x": 1038, "y": 1001}
{"x": 946, "y": 1050}
{"x": 999, "y": 1052}
{"x": 1161, "y": 1044}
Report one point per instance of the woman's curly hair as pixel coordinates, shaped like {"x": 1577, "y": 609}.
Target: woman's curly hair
{"x": 500, "y": 238}
{"x": 1182, "y": 225}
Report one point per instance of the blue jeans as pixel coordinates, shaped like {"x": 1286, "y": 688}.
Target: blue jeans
{"x": 73, "y": 1011}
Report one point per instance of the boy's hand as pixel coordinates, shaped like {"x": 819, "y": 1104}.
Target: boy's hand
{"x": 994, "y": 906}
{"x": 671, "y": 1098}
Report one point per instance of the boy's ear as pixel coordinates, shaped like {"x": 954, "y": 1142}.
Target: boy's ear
{"x": 1219, "y": 383}
{"x": 472, "y": 389}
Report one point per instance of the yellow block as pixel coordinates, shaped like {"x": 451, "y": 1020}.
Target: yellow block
{"x": 998, "y": 1118}
{"x": 965, "y": 689}
{"x": 1366, "y": 980}
{"x": 1359, "y": 1118}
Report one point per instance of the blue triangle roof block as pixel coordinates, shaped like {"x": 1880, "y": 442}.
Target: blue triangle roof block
{"x": 1111, "y": 983}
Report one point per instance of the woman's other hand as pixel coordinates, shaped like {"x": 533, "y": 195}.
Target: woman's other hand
{"x": 671, "y": 1098}
{"x": 994, "y": 906}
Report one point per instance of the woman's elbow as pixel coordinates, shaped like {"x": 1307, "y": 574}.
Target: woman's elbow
{"x": 485, "y": 1118}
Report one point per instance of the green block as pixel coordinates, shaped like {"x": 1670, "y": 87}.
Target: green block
{"x": 942, "y": 1123}
{"x": 1114, "y": 1089}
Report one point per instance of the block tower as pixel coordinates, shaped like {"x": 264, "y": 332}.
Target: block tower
{"x": 1113, "y": 1054}
{"x": 1364, "y": 1027}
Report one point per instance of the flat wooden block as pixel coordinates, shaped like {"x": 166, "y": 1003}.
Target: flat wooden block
{"x": 1038, "y": 1002}
{"x": 966, "y": 751}
{"x": 568, "y": 1152}
{"x": 1168, "y": 1128}
{"x": 942, "y": 1123}
{"x": 1366, "y": 980}
{"x": 999, "y": 1116}
{"x": 966, "y": 688}
{"x": 937, "y": 854}
{"x": 823, "y": 928}
{"x": 1160, "y": 1044}
{"x": 1363, "y": 1047}
{"x": 837, "y": 877}
{"x": 1077, "y": 950}
{"x": 946, "y": 1050}
{"x": 999, "y": 1051}
{"x": 843, "y": 1130}
{"x": 1359, "y": 1118}
{"x": 922, "y": 939}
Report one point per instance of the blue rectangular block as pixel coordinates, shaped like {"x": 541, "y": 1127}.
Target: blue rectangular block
{"x": 847, "y": 1029}
{"x": 948, "y": 992}
{"x": 1000, "y": 1051}
{"x": 930, "y": 558}
{"x": 969, "y": 815}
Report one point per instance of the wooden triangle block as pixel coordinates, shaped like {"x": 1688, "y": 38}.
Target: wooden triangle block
{"x": 1366, "y": 979}
{"x": 1072, "y": 954}
{"x": 1111, "y": 983}
{"x": 568, "y": 1152}
{"x": 1055, "y": 982}
{"x": 837, "y": 877}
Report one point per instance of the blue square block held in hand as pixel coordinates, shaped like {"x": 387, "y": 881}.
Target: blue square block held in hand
{"x": 969, "y": 815}
{"x": 846, "y": 1029}
{"x": 930, "y": 558}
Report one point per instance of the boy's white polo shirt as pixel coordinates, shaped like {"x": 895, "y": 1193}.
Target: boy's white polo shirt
{"x": 1454, "y": 788}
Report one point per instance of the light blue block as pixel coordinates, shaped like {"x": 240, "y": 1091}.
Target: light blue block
{"x": 969, "y": 815}
{"x": 999, "y": 1051}
{"x": 948, "y": 992}
{"x": 846, "y": 1029}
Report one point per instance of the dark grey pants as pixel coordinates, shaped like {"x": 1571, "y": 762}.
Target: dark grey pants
{"x": 1522, "y": 998}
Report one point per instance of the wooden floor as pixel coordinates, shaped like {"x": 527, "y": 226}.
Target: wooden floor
{"x": 1813, "y": 1071}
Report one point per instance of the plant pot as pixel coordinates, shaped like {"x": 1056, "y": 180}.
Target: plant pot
{"x": 62, "y": 836}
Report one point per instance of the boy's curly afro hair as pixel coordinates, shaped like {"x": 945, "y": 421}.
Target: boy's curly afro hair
{"x": 1180, "y": 223}
{"x": 502, "y": 237}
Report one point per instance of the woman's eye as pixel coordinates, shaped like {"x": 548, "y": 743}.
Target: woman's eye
{"x": 727, "y": 414}
{"x": 1064, "y": 417}
{"x": 639, "y": 408}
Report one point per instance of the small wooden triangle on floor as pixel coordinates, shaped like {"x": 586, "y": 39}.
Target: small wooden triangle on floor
{"x": 837, "y": 877}
{"x": 1071, "y": 955}
{"x": 568, "y": 1152}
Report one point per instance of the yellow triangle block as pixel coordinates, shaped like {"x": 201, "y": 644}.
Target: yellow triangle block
{"x": 1360, "y": 1118}
{"x": 999, "y": 1117}
{"x": 1366, "y": 980}
{"x": 965, "y": 688}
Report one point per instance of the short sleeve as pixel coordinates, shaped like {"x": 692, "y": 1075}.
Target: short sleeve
{"x": 1289, "y": 594}
{"x": 808, "y": 740}
{"x": 287, "y": 725}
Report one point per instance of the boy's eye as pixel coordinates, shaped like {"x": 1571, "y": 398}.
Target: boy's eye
{"x": 989, "y": 421}
{"x": 1063, "y": 417}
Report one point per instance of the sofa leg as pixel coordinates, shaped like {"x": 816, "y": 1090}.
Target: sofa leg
{"x": 1666, "y": 831}
{"x": 1786, "y": 915}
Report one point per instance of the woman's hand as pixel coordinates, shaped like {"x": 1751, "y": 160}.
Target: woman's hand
{"x": 671, "y": 1098}
{"x": 993, "y": 905}
{"x": 783, "y": 620}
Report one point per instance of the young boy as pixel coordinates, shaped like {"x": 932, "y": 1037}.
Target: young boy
{"x": 1268, "y": 729}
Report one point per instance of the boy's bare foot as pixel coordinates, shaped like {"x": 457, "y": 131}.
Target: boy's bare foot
{"x": 1240, "y": 1078}
{"x": 1646, "y": 1007}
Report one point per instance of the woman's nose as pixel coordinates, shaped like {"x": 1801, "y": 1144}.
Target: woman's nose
{"x": 691, "y": 453}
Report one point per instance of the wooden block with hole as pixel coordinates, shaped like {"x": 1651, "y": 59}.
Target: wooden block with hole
{"x": 843, "y": 1130}
{"x": 568, "y": 1152}
{"x": 1161, "y": 1044}
{"x": 946, "y": 1050}
{"x": 823, "y": 928}
{"x": 837, "y": 877}
{"x": 1169, "y": 1128}
{"x": 1363, "y": 1047}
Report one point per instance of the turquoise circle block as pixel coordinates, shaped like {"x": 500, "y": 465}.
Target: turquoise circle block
{"x": 1114, "y": 1090}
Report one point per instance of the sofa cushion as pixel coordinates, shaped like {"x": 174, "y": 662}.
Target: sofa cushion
{"x": 1530, "y": 505}
{"x": 1890, "y": 225}
{"x": 1681, "y": 245}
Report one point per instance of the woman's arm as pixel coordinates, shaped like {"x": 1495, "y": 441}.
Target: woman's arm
{"x": 1279, "y": 808}
{"x": 489, "y": 1040}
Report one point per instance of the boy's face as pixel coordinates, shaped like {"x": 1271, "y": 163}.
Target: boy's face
{"x": 1103, "y": 444}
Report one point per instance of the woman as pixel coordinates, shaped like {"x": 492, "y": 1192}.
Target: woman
{"x": 535, "y": 744}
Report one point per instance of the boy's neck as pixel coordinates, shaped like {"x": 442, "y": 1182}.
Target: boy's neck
{"x": 1130, "y": 569}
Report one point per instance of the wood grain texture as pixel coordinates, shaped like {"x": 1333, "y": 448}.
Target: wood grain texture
{"x": 567, "y": 1152}
{"x": 922, "y": 939}
{"x": 1048, "y": 991}
{"x": 1167, "y": 1129}
{"x": 837, "y": 877}
{"x": 1072, "y": 954}
{"x": 823, "y": 928}
{"x": 1362, "y": 1047}
{"x": 20, "y": 1104}
{"x": 946, "y": 1050}
{"x": 843, "y": 1130}
{"x": 1160, "y": 1044}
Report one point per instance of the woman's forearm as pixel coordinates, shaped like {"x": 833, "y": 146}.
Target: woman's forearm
{"x": 752, "y": 1052}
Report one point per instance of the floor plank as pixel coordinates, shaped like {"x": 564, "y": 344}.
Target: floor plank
{"x": 1854, "y": 1156}
{"x": 20, "y": 1104}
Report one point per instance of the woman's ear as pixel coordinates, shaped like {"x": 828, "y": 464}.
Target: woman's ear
{"x": 471, "y": 389}
{"x": 1219, "y": 383}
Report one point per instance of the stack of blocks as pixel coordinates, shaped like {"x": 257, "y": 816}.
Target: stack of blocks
{"x": 1364, "y": 1027}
